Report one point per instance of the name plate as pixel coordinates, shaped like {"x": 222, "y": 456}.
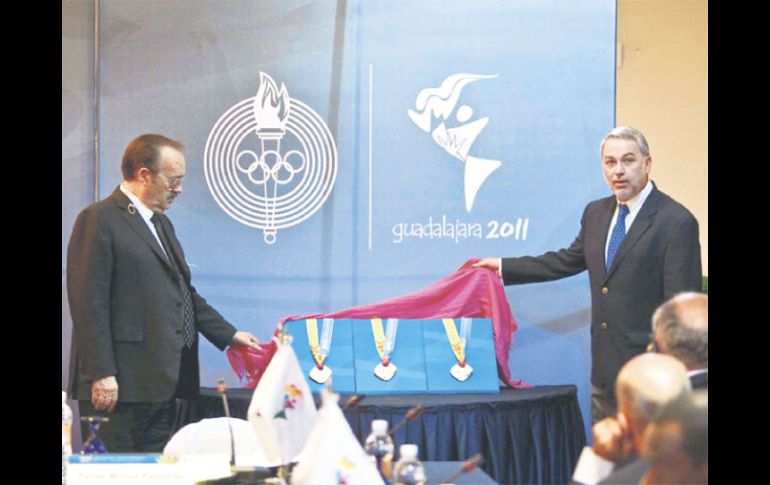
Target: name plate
{"x": 147, "y": 469}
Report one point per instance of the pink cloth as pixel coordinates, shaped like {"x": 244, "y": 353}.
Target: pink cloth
{"x": 468, "y": 292}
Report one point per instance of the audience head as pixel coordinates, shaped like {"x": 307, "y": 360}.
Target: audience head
{"x": 645, "y": 384}
{"x": 680, "y": 328}
{"x": 676, "y": 444}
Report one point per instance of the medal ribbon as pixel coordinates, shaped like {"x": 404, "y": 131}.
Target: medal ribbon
{"x": 319, "y": 351}
{"x": 384, "y": 341}
{"x": 466, "y": 324}
{"x": 458, "y": 345}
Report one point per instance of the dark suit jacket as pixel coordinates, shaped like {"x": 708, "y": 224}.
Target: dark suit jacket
{"x": 700, "y": 381}
{"x": 126, "y": 305}
{"x": 659, "y": 257}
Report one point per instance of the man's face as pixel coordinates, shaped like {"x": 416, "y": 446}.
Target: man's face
{"x": 165, "y": 185}
{"x": 625, "y": 168}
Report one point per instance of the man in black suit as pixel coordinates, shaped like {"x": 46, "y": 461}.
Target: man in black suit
{"x": 135, "y": 314}
{"x": 640, "y": 247}
{"x": 680, "y": 328}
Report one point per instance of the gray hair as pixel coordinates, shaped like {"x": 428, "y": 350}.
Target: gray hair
{"x": 682, "y": 325}
{"x": 627, "y": 133}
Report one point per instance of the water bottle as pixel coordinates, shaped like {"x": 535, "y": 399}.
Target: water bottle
{"x": 409, "y": 470}
{"x": 66, "y": 436}
{"x": 380, "y": 447}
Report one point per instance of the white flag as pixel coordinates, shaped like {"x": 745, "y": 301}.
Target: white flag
{"x": 332, "y": 454}
{"x": 282, "y": 410}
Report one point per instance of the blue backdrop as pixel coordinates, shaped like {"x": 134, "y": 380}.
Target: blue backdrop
{"x": 459, "y": 129}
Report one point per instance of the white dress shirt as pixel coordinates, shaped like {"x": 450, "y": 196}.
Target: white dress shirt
{"x": 634, "y": 206}
{"x": 145, "y": 212}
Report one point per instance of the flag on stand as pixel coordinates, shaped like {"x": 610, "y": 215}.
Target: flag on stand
{"x": 282, "y": 410}
{"x": 332, "y": 454}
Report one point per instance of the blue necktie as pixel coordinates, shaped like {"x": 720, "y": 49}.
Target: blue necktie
{"x": 618, "y": 234}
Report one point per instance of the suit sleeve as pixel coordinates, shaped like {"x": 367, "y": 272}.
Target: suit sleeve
{"x": 682, "y": 264}
{"x": 89, "y": 274}
{"x": 549, "y": 266}
{"x": 208, "y": 320}
{"x": 211, "y": 323}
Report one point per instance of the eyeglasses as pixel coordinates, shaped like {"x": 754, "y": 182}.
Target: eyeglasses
{"x": 173, "y": 183}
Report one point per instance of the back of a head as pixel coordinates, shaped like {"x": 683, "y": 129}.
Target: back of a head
{"x": 144, "y": 151}
{"x": 680, "y": 325}
{"x": 676, "y": 442}
{"x": 692, "y": 413}
{"x": 649, "y": 381}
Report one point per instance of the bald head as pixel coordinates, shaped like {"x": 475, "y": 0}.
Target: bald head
{"x": 681, "y": 329}
{"x": 649, "y": 381}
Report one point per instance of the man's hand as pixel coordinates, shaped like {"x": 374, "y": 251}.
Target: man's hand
{"x": 247, "y": 339}
{"x": 612, "y": 439}
{"x": 491, "y": 263}
{"x": 104, "y": 393}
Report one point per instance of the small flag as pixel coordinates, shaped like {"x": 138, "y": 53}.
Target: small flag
{"x": 282, "y": 410}
{"x": 332, "y": 454}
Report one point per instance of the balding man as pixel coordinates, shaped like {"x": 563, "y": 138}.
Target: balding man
{"x": 136, "y": 315}
{"x": 680, "y": 328}
{"x": 645, "y": 385}
{"x": 676, "y": 444}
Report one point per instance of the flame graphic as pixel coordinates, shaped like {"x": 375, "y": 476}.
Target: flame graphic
{"x": 271, "y": 105}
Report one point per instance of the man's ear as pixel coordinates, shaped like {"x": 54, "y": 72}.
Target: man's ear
{"x": 624, "y": 422}
{"x": 143, "y": 175}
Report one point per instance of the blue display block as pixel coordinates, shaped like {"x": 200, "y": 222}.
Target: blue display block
{"x": 422, "y": 354}
{"x": 479, "y": 353}
{"x": 407, "y": 356}
{"x": 340, "y": 358}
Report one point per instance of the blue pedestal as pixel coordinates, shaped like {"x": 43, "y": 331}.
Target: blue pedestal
{"x": 479, "y": 353}
{"x": 340, "y": 358}
{"x": 422, "y": 354}
{"x": 407, "y": 356}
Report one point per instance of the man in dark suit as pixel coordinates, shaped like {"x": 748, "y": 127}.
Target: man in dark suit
{"x": 680, "y": 327}
{"x": 136, "y": 316}
{"x": 640, "y": 247}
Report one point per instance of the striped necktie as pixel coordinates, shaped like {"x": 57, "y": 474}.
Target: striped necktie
{"x": 189, "y": 315}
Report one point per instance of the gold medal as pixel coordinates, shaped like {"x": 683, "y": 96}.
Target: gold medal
{"x": 461, "y": 370}
{"x": 385, "y": 370}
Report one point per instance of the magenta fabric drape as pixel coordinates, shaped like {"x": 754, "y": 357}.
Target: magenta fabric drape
{"x": 468, "y": 292}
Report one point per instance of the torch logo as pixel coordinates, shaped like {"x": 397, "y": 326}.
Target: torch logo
{"x": 270, "y": 161}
